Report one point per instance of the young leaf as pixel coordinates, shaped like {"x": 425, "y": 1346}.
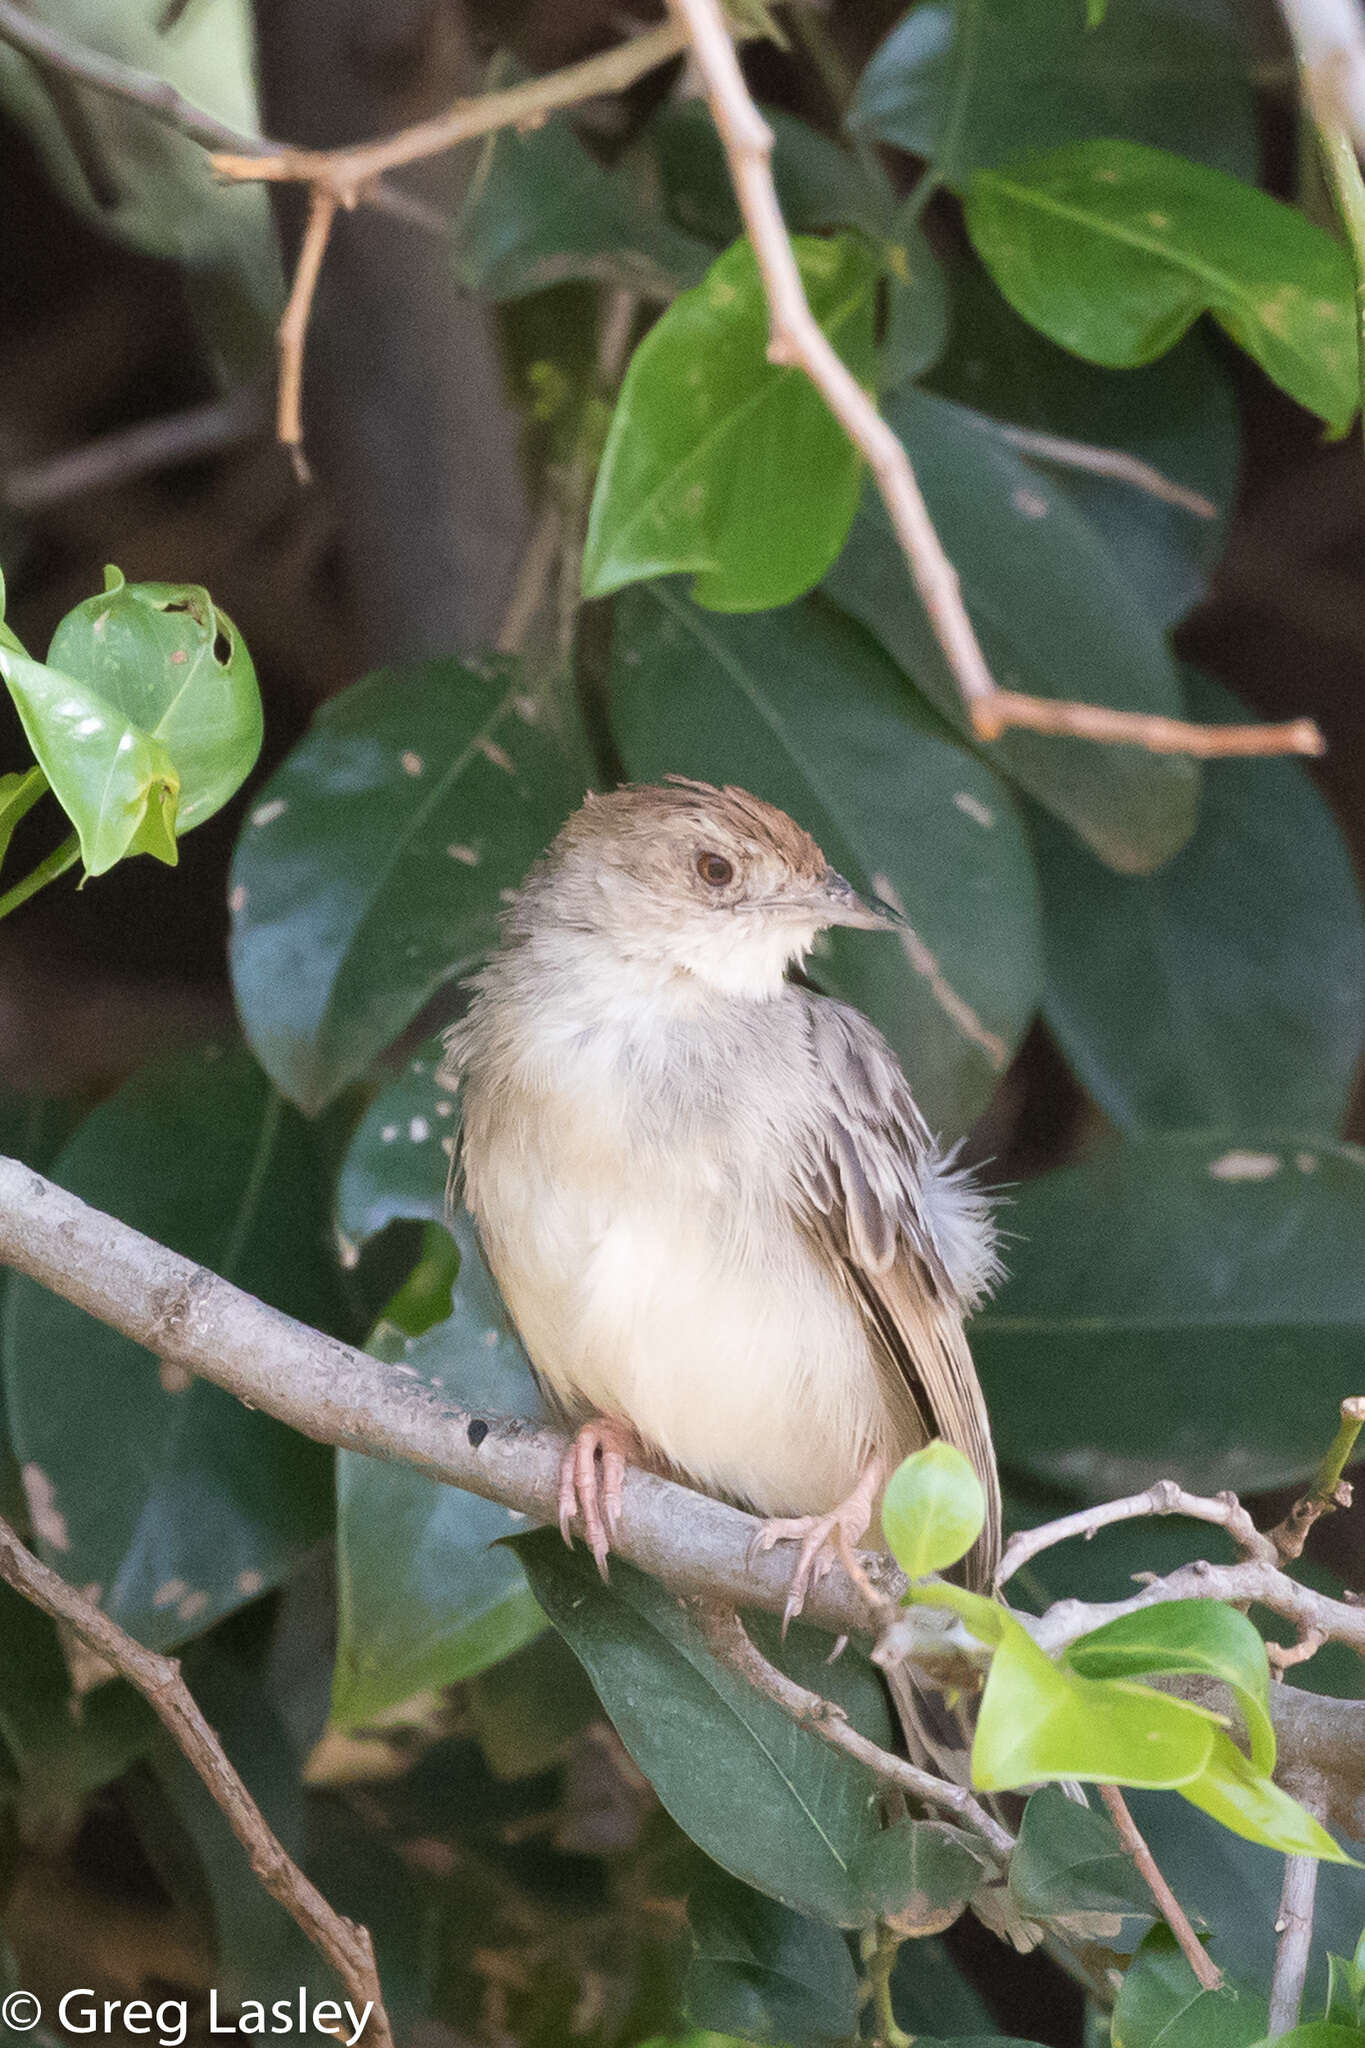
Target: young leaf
{"x": 1244, "y": 1799}
{"x": 1161, "y": 2001}
{"x": 1202, "y": 1636}
{"x": 933, "y": 1510}
{"x": 1113, "y": 250}
{"x": 722, "y": 463}
{"x": 116, "y": 783}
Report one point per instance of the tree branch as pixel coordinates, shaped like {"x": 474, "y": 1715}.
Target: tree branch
{"x": 1294, "y": 1927}
{"x": 1167, "y": 1904}
{"x": 796, "y": 338}
{"x": 347, "y": 1947}
{"x": 1115, "y": 463}
{"x": 1225, "y": 1511}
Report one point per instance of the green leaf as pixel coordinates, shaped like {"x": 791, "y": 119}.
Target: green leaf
{"x": 1175, "y": 1286}
{"x": 1113, "y": 250}
{"x": 1318, "y": 2034}
{"x": 775, "y": 1805}
{"x": 1056, "y": 616}
{"x": 173, "y": 1499}
{"x": 1242, "y": 1798}
{"x": 764, "y": 1972}
{"x": 65, "y": 1746}
{"x": 802, "y": 707}
{"x": 1229, "y": 987}
{"x": 1201, "y": 1636}
{"x": 398, "y": 1161}
{"x": 819, "y": 183}
{"x": 372, "y": 866}
{"x": 1178, "y": 415}
{"x": 722, "y": 463}
{"x": 974, "y": 83}
{"x": 1039, "y": 1721}
{"x": 1161, "y": 2004}
{"x": 933, "y": 1510}
{"x": 542, "y": 210}
{"x": 177, "y": 668}
{"x": 1069, "y": 1864}
{"x": 916, "y": 303}
{"x": 918, "y": 1874}
{"x": 18, "y": 794}
{"x": 117, "y": 784}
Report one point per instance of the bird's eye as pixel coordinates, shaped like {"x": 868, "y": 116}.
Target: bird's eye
{"x": 715, "y": 869}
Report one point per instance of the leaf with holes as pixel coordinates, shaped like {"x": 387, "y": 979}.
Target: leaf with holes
{"x": 373, "y": 865}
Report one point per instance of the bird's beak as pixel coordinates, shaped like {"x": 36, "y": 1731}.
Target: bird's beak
{"x": 842, "y": 904}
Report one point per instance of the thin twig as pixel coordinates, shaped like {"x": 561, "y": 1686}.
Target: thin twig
{"x": 1329, "y": 1490}
{"x": 533, "y": 579}
{"x": 1294, "y": 1928}
{"x": 1225, "y": 1511}
{"x": 1168, "y": 1905}
{"x": 346, "y": 1946}
{"x": 796, "y": 338}
{"x": 1282, "y": 1657}
{"x": 1115, "y": 463}
{"x": 322, "y": 207}
{"x": 348, "y": 171}
{"x": 728, "y": 1639}
{"x": 136, "y": 451}
{"x": 1329, "y": 42}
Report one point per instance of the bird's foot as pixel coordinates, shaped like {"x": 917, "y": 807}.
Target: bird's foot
{"x": 823, "y": 1538}
{"x": 591, "y": 1478}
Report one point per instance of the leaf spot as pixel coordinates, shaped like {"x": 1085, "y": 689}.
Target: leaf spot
{"x": 1307, "y": 1162}
{"x": 448, "y": 1147}
{"x": 444, "y": 1106}
{"x": 249, "y": 1583}
{"x": 181, "y": 654}
{"x": 348, "y": 1252}
{"x": 527, "y": 710}
{"x": 1158, "y": 220}
{"x": 490, "y": 1338}
{"x": 173, "y": 1378}
{"x": 88, "y": 727}
{"x": 388, "y": 1134}
{"x": 974, "y": 808}
{"x": 412, "y": 763}
{"x": 469, "y": 856}
{"x": 169, "y": 1592}
{"x": 1032, "y": 504}
{"x": 1106, "y": 177}
{"x": 125, "y": 744}
{"x": 419, "y": 1130}
{"x": 1245, "y": 1166}
{"x": 266, "y": 814}
{"x": 237, "y": 899}
{"x": 48, "y": 1521}
{"x": 499, "y": 756}
{"x": 191, "y": 1607}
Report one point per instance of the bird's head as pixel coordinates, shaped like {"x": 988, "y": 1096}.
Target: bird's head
{"x": 687, "y": 878}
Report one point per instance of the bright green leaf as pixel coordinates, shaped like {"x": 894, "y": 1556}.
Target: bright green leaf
{"x": 174, "y": 1499}
{"x": 1057, "y": 615}
{"x": 1113, "y": 250}
{"x": 1242, "y": 1798}
{"x": 933, "y": 1510}
{"x": 1203, "y": 1636}
{"x": 1161, "y": 2004}
{"x": 801, "y": 706}
{"x": 117, "y": 784}
{"x": 371, "y": 868}
{"x": 1174, "y": 1287}
{"x": 975, "y": 83}
{"x": 1039, "y": 1721}
{"x": 765, "y": 1972}
{"x": 775, "y": 1805}
{"x": 177, "y": 668}
{"x": 722, "y": 463}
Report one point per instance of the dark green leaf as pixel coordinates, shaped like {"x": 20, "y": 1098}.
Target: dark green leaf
{"x": 1318, "y": 2034}
{"x": 398, "y": 1161}
{"x": 1179, "y": 416}
{"x": 916, "y": 305}
{"x": 173, "y": 1499}
{"x": 1055, "y": 613}
{"x": 527, "y": 1709}
{"x": 765, "y": 1972}
{"x": 933, "y": 1510}
{"x": 1200, "y": 1636}
{"x": 65, "y": 1747}
{"x": 177, "y": 668}
{"x": 774, "y": 1805}
{"x": 542, "y": 210}
{"x": 803, "y": 708}
{"x": 1165, "y": 1293}
{"x": 1161, "y": 2004}
{"x": 819, "y": 184}
{"x": 116, "y": 783}
{"x": 1113, "y": 250}
{"x": 1070, "y": 1862}
{"x": 371, "y": 868}
{"x": 974, "y": 83}
{"x": 918, "y": 1875}
{"x": 1229, "y": 987}
{"x": 725, "y": 464}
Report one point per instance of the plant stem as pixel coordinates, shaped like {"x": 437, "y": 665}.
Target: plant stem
{"x": 1328, "y": 1490}
{"x": 21, "y": 802}
{"x": 58, "y": 861}
{"x": 880, "y": 1949}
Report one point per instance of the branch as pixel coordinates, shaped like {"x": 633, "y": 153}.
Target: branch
{"x": 1294, "y": 1927}
{"x": 728, "y": 1639}
{"x": 136, "y": 451}
{"x": 1329, "y": 1490}
{"x": 1116, "y": 463}
{"x": 1167, "y": 1904}
{"x": 347, "y": 1947}
{"x": 1329, "y": 42}
{"x": 796, "y": 338}
{"x": 1225, "y": 1511}
{"x": 293, "y": 330}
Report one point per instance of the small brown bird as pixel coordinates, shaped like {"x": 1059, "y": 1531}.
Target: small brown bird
{"x": 731, "y": 1246}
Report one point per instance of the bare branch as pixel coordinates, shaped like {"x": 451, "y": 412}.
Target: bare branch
{"x": 1294, "y": 1927}
{"x": 1329, "y": 1490}
{"x": 1329, "y": 42}
{"x": 346, "y": 1946}
{"x": 1167, "y": 1904}
{"x": 322, "y": 206}
{"x": 728, "y": 1639}
{"x": 1116, "y": 463}
{"x": 796, "y": 338}
{"x": 1225, "y": 1511}
{"x": 139, "y": 450}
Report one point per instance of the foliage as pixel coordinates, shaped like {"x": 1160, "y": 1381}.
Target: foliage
{"x": 599, "y": 1831}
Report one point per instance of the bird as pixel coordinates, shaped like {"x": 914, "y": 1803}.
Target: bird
{"x": 732, "y": 1248}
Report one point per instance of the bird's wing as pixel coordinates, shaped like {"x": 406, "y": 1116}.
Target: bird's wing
{"x": 913, "y": 1236}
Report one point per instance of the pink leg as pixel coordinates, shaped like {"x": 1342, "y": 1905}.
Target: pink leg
{"x": 824, "y": 1537}
{"x": 591, "y": 1491}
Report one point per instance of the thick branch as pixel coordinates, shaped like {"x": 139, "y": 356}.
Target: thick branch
{"x": 1294, "y": 1929}
{"x": 346, "y": 1946}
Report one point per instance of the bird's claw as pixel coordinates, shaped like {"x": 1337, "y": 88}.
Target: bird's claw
{"x": 822, "y": 1539}
{"x": 592, "y": 1477}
